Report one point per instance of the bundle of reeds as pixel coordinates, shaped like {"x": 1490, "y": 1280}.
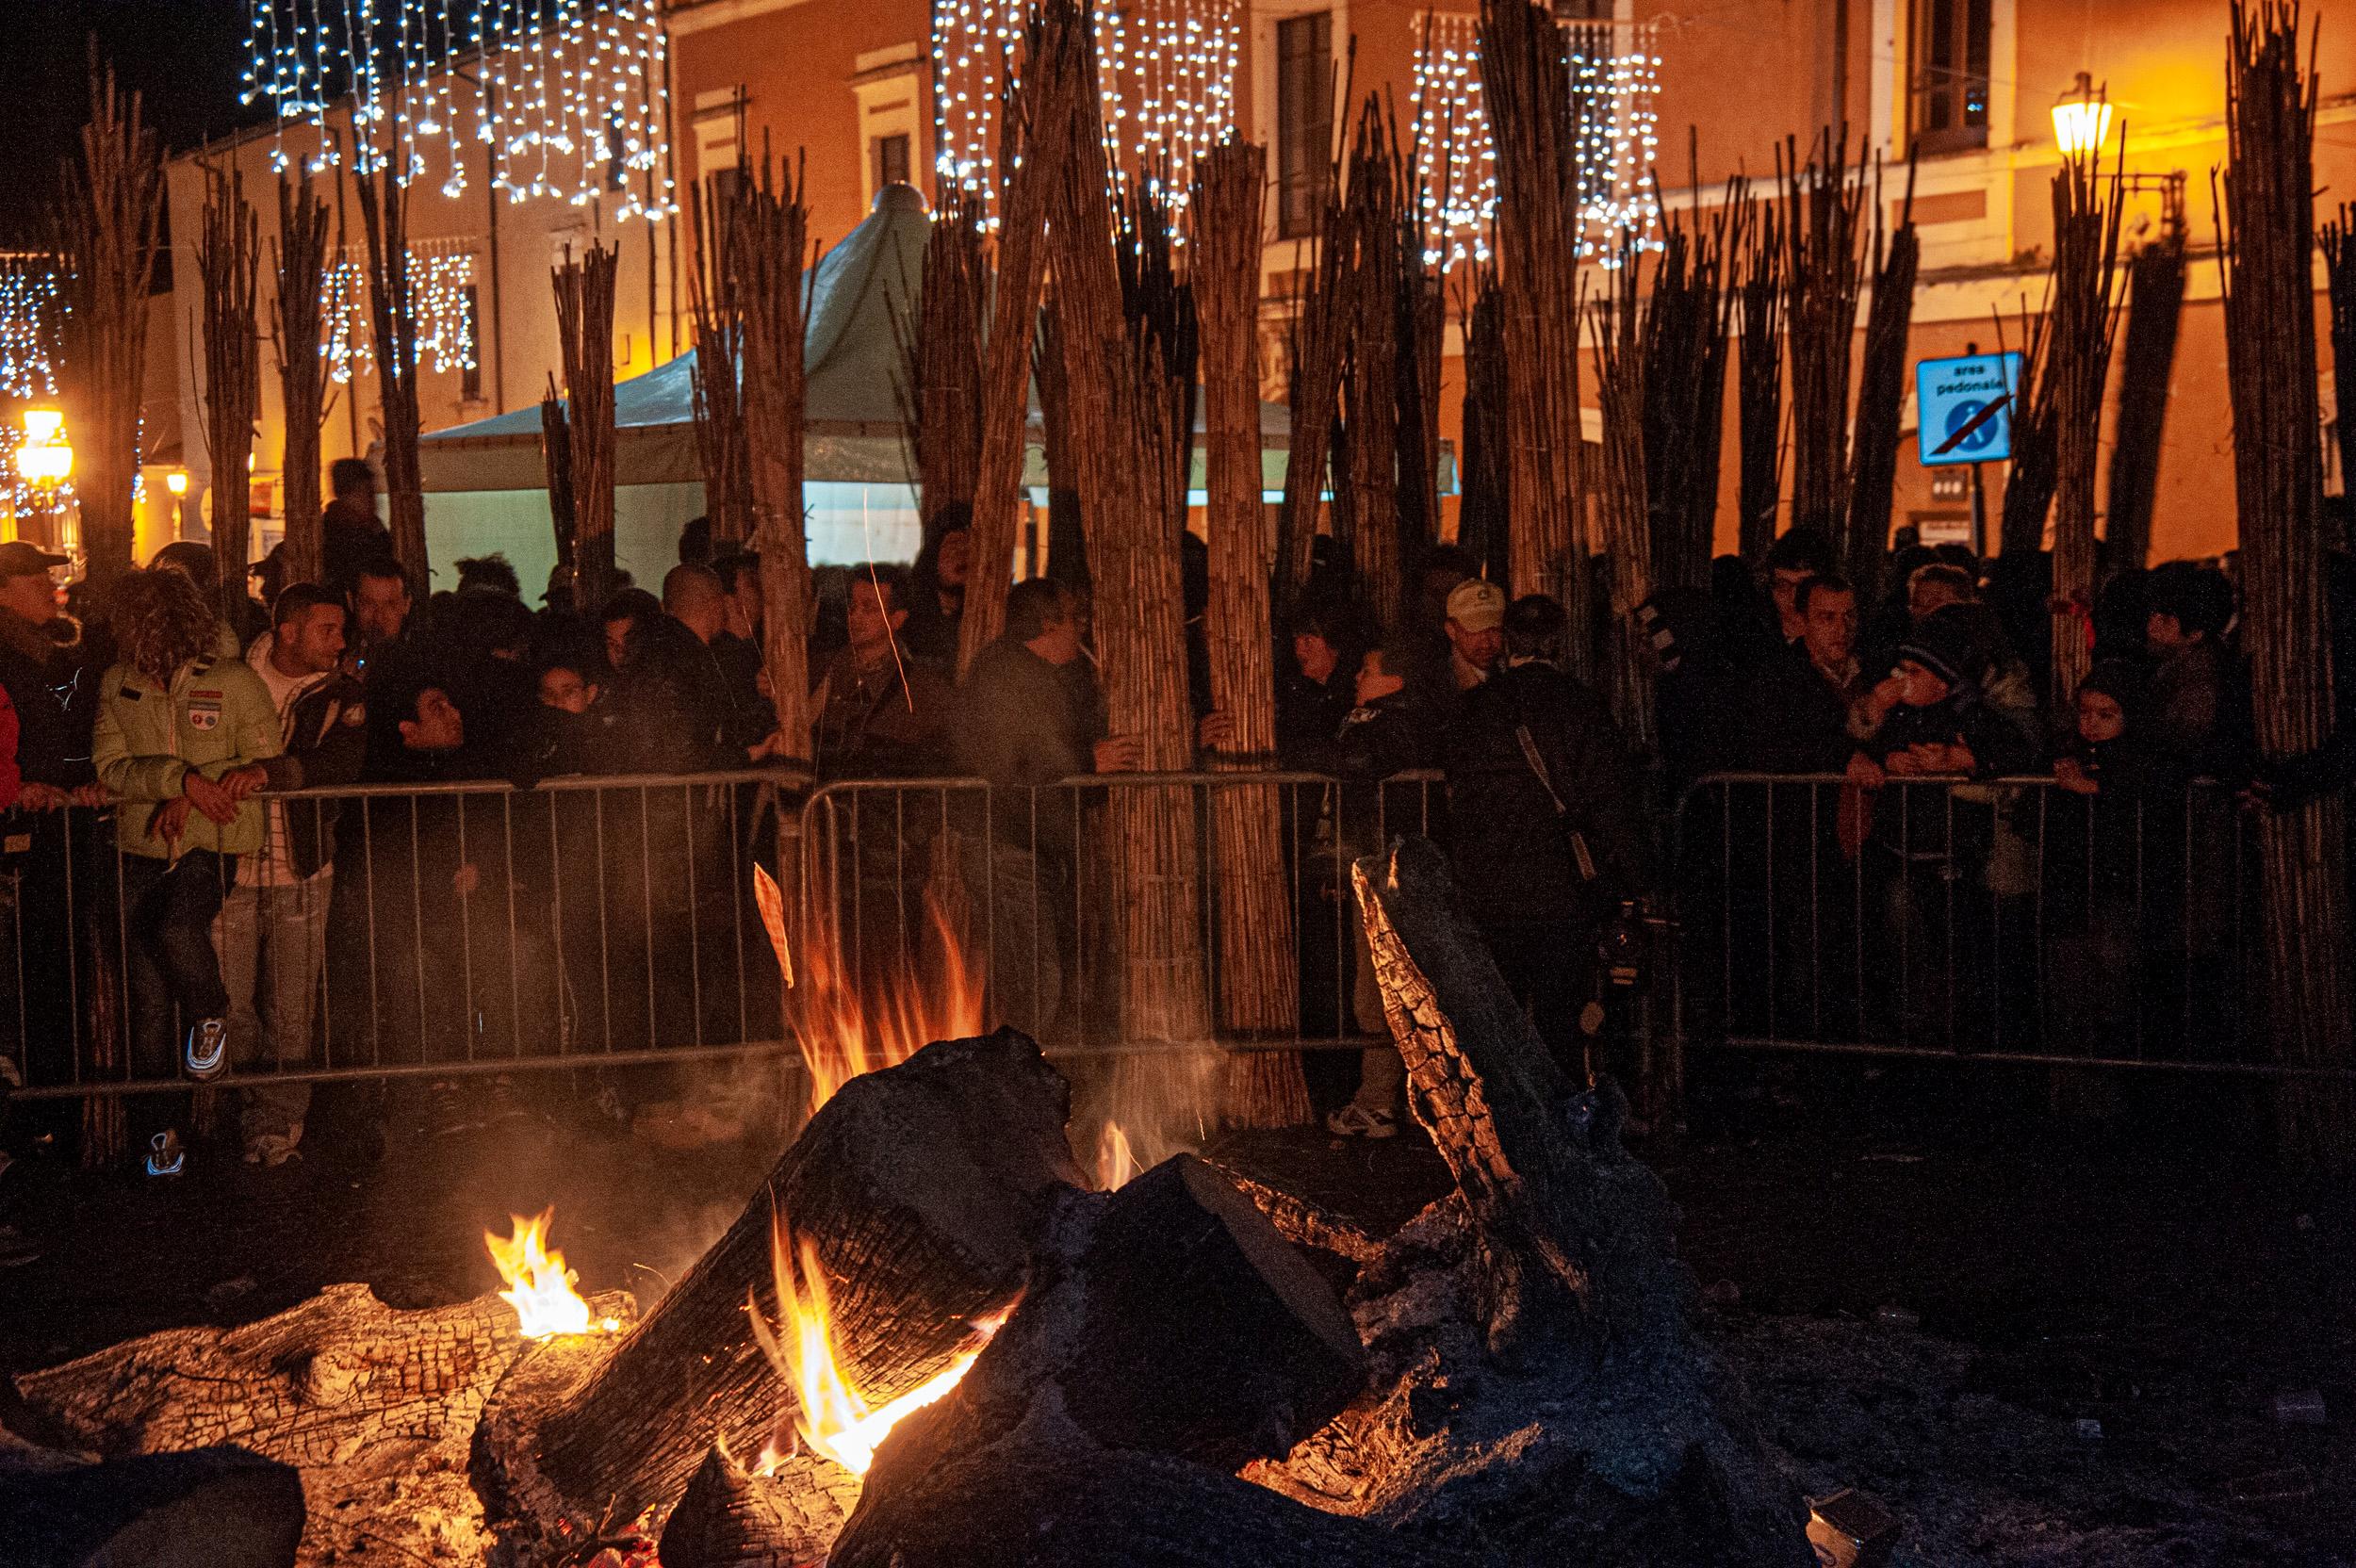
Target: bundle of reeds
{"x": 941, "y": 359}
{"x": 1622, "y": 329}
{"x": 1373, "y": 217}
{"x": 1128, "y": 457}
{"x": 1258, "y": 979}
{"x": 2030, "y": 477}
{"x": 556, "y": 461}
{"x": 2084, "y": 318}
{"x": 1533, "y": 116}
{"x": 1823, "y": 205}
{"x": 1158, "y": 302}
{"x": 2268, "y": 245}
{"x": 721, "y": 449}
{"x": 768, "y": 252}
{"x": 1481, "y": 509}
{"x": 229, "y": 271}
{"x": 584, "y": 332}
{"x": 1684, "y": 341}
{"x": 107, "y": 228}
{"x": 1759, "y": 284}
{"x": 1881, "y": 391}
{"x": 1422, "y": 333}
{"x": 393, "y": 319}
{"x": 299, "y": 324}
{"x": 2338, "y": 238}
{"x": 1317, "y": 346}
{"x": 1035, "y": 143}
{"x": 2147, "y": 355}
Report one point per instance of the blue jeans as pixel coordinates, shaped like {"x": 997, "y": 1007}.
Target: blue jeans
{"x": 169, "y": 959}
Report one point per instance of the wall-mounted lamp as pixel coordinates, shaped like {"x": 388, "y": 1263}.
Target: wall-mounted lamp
{"x": 2082, "y": 119}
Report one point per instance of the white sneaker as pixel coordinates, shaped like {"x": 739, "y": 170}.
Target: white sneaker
{"x": 165, "y": 1157}
{"x": 1354, "y": 1120}
{"x": 272, "y": 1149}
{"x": 209, "y": 1046}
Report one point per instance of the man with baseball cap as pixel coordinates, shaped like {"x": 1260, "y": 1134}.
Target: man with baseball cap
{"x": 1476, "y": 631}
{"x": 36, "y": 672}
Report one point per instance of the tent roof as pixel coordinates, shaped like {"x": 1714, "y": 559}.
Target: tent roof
{"x": 864, "y": 286}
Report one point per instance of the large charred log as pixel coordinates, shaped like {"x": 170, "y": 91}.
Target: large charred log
{"x": 216, "y": 1508}
{"x": 924, "y": 1187}
{"x": 732, "y": 1518}
{"x": 1534, "y": 1380}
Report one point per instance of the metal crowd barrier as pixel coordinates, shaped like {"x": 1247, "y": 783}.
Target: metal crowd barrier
{"x": 1023, "y": 882}
{"x": 399, "y": 931}
{"x": 2010, "y": 919}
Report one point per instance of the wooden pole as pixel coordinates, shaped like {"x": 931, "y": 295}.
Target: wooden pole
{"x": 1035, "y": 145}
{"x": 2267, "y": 208}
{"x": 584, "y": 331}
{"x": 229, "y": 265}
{"x": 1258, "y": 980}
{"x": 108, "y": 226}
{"x": 299, "y": 323}
{"x": 1526, "y": 78}
{"x": 768, "y": 250}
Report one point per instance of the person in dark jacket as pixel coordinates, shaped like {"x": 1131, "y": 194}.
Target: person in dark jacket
{"x": 352, "y": 534}
{"x": 1547, "y": 832}
{"x": 1022, "y": 730}
{"x": 1797, "y": 717}
{"x": 2105, "y": 845}
{"x": 937, "y": 595}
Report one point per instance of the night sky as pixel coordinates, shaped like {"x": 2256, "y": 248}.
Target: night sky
{"x": 185, "y": 58}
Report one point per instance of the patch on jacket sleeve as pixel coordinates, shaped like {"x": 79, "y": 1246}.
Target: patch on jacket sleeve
{"x": 204, "y": 709}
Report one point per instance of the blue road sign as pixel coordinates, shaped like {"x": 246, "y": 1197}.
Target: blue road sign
{"x": 1963, "y": 408}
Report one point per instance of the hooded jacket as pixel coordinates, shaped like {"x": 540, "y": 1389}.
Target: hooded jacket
{"x": 215, "y": 717}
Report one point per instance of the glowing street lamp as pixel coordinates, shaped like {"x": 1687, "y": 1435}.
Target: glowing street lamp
{"x": 2082, "y": 120}
{"x": 46, "y": 457}
{"x": 177, "y": 482}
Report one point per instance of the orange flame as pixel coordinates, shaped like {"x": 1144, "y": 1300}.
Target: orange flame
{"x": 830, "y": 1415}
{"x": 1115, "y": 1161}
{"x": 844, "y": 1028}
{"x": 540, "y": 1287}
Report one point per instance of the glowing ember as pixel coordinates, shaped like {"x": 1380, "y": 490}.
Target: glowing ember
{"x": 830, "y": 1415}
{"x": 847, "y": 1025}
{"x": 540, "y": 1287}
{"x": 1115, "y": 1161}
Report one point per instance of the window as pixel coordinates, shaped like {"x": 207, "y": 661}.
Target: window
{"x": 1304, "y": 121}
{"x": 1950, "y": 112}
{"x": 892, "y": 160}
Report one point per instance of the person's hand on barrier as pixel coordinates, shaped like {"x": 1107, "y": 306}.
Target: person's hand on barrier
{"x": 771, "y": 744}
{"x": 212, "y": 799}
{"x": 243, "y": 783}
{"x": 1121, "y": 754}
{"x": 465, "y": 879}
{"x": 42, "y": 797}
{"x": 2071, "y": 774}
{"x": 169, "y": 821}
{"x": 1865, "y": 773}
{"x": 92, "y": 795}
{"x": 1217, "y": 732}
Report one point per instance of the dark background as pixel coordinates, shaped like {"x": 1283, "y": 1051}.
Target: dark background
{"x": 185, "y": 58}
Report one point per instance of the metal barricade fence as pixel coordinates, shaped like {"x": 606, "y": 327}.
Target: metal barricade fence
{"x": 1023, "y": 882}
{"x": 390, "y": 931}
{"x": 2011, "y": 920}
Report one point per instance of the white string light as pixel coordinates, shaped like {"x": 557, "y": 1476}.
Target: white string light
{"x": 29, "y": 309}
{"x": 438, "y": 287}
{"x": 565, "y": 93}
{"x": 1456, "y": 155}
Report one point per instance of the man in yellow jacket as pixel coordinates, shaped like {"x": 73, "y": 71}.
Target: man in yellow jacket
{"x": 185, "y": 739}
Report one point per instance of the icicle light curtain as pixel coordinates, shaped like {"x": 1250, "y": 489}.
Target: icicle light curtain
{"x": 29, "y": 325}
{"x": 438, "y": 286}
{"x": 566, "y": 95}
{"x": 1165, "y": 75}
{"x": 1615, "y": 70}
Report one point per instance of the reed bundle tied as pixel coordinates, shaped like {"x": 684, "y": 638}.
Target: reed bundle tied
{"x": 298, "y": 323}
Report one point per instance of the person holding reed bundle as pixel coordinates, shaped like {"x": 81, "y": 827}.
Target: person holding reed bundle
{"x": 185, "y": 739}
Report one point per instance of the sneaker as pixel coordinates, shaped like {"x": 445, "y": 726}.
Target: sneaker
{"x": 272, "y": 1149}
{"x": 209, "y": 1046}
{"x": 165, "y": 1157}
{"x": 1354, "y": 1120}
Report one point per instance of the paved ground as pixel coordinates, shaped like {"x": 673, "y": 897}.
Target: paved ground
{"x": 2141, "y": 1272}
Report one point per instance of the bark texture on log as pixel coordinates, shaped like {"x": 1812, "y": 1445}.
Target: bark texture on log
{"x": 924, "y": 1186}
{"x": 732, "y": 1518}
{"x": 215, "y": 1508}
{"x": 1536, "y": 1384}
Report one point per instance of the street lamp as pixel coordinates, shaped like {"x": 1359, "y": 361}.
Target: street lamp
{"x": 177, "y": 482}
{"x": 46, "y": 457}
{"x": 2082, "y": 120}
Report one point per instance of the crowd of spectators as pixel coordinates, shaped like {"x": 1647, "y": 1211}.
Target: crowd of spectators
{"x": 186, "y": 711}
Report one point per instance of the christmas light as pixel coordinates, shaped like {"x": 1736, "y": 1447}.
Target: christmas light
{"x": 1456, "y": 157}
{"x": 438, "y": 286}
{"x": 563, "y": 92}
{"x": 29, "y": 310}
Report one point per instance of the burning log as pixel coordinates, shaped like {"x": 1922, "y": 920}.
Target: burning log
{"x": 1556, "y": 1250}
{"x": 924, "y": 1188}
{"x": 146, "y": 1508}
{"x": 1165, "y": 1322}
{"x": 732, "y": 1518}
